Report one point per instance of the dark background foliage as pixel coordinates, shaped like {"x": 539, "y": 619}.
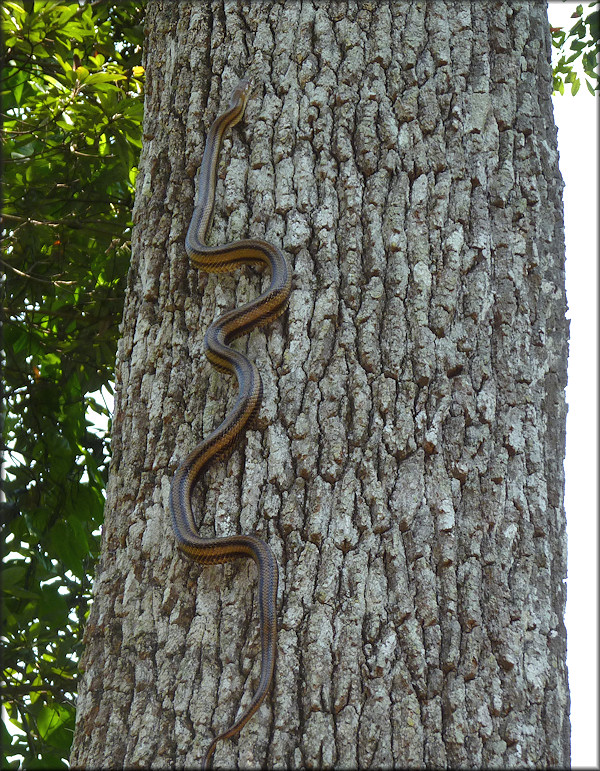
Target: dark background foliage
{"x": 72, "y": 109}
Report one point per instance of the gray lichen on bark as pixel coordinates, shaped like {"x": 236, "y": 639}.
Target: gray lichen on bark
{"x": 407, "y": 467}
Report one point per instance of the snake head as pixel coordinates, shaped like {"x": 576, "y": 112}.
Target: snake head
{"x": 242, "y": 92}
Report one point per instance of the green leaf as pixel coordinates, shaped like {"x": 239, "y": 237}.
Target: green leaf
{"x": 104, "y": 77}
{"x": 12, "y": 575}
{"x": 67, "y": 257}
{"x": 16, "y": 9}
{"x": 66, "y": 14}
{"x": 52, "y": 718}
{"x": 70, "y": 545}
{"x": 23, "y": 594}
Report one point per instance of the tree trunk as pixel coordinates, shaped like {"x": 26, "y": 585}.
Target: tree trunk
{"x": 407, "y": 466}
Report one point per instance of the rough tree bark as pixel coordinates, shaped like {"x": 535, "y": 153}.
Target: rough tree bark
{"x": 407, "y": 470}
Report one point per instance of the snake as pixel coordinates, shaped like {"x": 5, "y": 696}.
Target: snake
{"x": 219, "y": 444}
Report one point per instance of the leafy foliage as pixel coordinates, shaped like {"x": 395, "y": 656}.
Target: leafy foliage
{"x": 72, "y": 112}
{"x": 584, "y": 37}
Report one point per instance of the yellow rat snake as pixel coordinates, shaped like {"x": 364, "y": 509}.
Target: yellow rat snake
{"x": 218, "y": 444}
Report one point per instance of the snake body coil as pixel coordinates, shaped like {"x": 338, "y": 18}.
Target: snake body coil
{"x": 218, "y": 444}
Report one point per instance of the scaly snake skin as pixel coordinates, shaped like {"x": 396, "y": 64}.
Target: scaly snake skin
{"x": 220, "y": 443}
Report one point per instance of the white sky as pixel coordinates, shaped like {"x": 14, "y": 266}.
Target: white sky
{"x": 577, "y": 121}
